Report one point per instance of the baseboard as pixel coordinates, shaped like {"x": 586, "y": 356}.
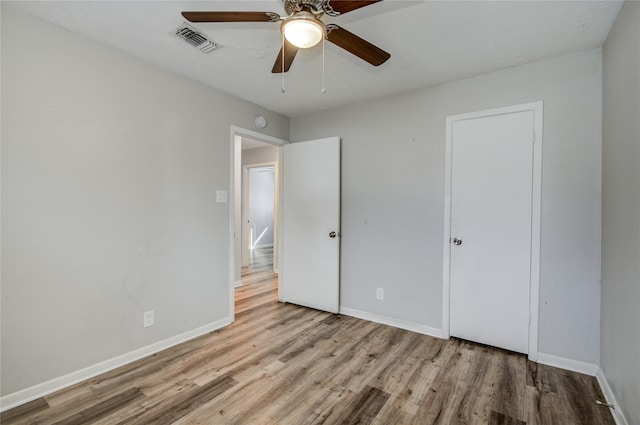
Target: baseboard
{"x": 391, "y": 321}
{"x": 568, "y": 364}
{"x": 617, "y": 414}
{"x": 40, "y": 390}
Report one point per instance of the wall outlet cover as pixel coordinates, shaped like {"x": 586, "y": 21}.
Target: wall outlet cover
{"x": 148, "y": 319}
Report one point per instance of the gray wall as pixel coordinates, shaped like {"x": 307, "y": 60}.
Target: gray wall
{"x": 109, "y": 172}
{"x": 392, "y": 195}
{"x": 620, "y": 352}
{"x": 259, "y": 155}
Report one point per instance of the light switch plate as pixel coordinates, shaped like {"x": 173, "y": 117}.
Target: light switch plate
{"x": 221, "y": 196}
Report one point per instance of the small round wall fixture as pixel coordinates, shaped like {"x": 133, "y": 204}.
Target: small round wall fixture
{"x": 261, "y": 121}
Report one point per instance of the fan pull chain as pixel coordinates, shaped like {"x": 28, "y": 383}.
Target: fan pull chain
{"x": 324, "y": 90}
{"x": 282, "y": 70}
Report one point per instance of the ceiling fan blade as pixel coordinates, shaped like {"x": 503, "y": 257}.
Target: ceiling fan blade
{"x": 344, "y": 6}
{"x": 289, "y": 54}
{"x": 231, "y": 16}
{"x": 356, "y": 45}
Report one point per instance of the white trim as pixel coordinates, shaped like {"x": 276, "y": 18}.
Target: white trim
{"x": 236, "y": 134}
{"x": 536, "y": 224}
{"x": 446, "y": 261}
{"x": 534, "y": 291}
{"x": 258, "y": 137}
{"x": 568, "y": 364}
{"x": 392, "y": 321}
{"x": 10, "y": 401}
{"x": 244, "y": 240}
{"x": 618, "y": 415}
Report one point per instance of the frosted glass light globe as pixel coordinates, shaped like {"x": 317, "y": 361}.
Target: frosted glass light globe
{"x": 303, "y": 31}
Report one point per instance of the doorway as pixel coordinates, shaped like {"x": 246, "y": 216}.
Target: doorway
{"x": 492, "y": 227}
{"x": 258, "y": 213}
{"x": 252, "y": 150}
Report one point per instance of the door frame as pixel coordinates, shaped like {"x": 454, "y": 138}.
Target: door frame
{"x": 235, "y": 209}
{"x": 534, "y": 283}
{"x": 246, "y": 199}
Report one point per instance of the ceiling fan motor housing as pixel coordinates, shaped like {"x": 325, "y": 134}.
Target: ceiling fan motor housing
{"x": 313, "y": 6}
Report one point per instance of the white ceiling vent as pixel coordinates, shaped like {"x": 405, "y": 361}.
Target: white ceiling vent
{"x": 195, "y": 38}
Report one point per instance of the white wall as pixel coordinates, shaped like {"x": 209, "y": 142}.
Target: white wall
{"x": 109, "y": 172}
{"x": 392, "y": 195}
{"x": 620, "y": 352}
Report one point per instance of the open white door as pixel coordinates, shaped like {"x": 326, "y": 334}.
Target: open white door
{"x": 309, "y": 269}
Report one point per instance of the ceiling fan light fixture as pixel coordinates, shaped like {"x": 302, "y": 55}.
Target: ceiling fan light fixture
{"x": 303, "y": 30}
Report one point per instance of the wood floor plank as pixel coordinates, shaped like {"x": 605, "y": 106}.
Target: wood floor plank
{"x": 510, "y": 397}
{"x": 532, "y": 406}
{"x": 28, "y": 409}
{"x": 500, "y": 419}
{"x": 172, "y": 410}
{"x": 102, "y": 409}
{"x": 260, "y": 350}
{"x": 315, "y": 404}
{"x": 251, "y": 400}
{"x": 73, "y": 394}
{"x": 361, "y": 408}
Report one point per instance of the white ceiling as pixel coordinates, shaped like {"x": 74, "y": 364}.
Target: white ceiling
{"x": 431, "y": 42}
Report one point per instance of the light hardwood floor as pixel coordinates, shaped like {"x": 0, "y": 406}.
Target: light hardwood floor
{"x": 283, "y": 364}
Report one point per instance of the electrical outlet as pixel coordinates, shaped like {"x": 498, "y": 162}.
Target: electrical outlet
{"x": 380, "y": 293}
{"x": 147, "y": 319}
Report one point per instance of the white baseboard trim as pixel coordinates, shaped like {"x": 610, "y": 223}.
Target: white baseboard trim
{"x": 391, "y": 321}
{"x": 40, "y": 390}
{"x": 568, "y": 364}
{"x": 617, "y": 414}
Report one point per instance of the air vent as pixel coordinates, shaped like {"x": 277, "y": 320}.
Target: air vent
{"x": 196, "y": 39}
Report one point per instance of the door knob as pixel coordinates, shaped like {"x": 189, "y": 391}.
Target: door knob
{"x": 457, "y": 241}
{"x": 332, "y": 235}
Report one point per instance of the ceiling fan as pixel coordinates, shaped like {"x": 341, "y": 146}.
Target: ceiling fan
{"x": 303, "y": 28}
